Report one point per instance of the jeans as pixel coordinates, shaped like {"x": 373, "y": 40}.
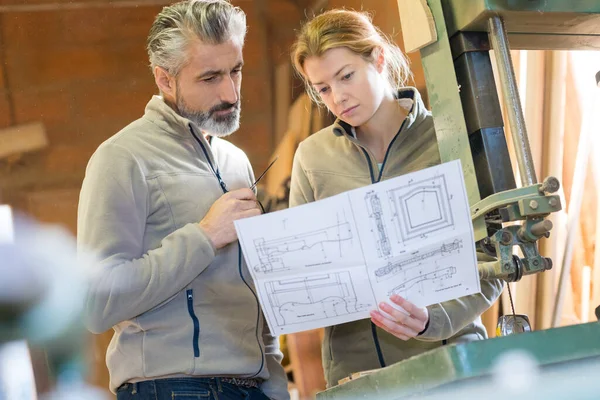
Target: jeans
{"x": 187, "y": 389}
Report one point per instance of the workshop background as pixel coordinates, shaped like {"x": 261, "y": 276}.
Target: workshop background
{"x": 73, "y": 73}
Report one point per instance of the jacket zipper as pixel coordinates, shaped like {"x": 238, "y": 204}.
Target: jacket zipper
{"x": 190, "y": 304}
{"x": 225, "y": 190}
{"x": 214, "y": 170}
{"x": 373, "y": 180}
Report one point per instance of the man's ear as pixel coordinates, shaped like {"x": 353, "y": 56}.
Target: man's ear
{"x": 165, "y": 82}
{"x": 379, "y": 58}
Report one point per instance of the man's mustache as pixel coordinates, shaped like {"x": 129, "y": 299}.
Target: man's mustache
{"x": 224, "y": 107}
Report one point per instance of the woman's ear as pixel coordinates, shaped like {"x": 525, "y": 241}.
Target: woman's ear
{"x": 379, "y": 58}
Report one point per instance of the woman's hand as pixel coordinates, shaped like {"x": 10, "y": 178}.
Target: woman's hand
{"x": 403, "y": 325}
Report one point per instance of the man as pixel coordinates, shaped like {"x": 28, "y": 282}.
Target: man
{"x": 158, "y": 204}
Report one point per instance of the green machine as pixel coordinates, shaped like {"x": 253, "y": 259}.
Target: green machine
{"x": 469, "y": 126}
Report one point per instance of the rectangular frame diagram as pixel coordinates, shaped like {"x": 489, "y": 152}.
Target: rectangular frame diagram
{"x": 421, "y": 208}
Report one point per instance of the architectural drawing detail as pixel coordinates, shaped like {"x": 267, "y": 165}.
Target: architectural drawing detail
{"x": 313, "y": 298}
{"x": 376, "y": 214}
{"x": 332, "y": 261}
{"x": 438, "y": 275}
{"x": 422, "y": 208}
{"x": 393, "y": 268}
{"x": 304, "y": 250}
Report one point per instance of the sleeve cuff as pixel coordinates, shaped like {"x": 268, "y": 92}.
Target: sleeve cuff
{"x": 435, "y": 327}
{"x": 208, "y": 240}
{"x": 426, "y": 326}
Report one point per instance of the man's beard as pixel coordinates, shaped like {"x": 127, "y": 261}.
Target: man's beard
{"x": 209, "y": 121}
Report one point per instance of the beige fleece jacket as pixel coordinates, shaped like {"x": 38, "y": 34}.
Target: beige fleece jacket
{"x": 332, "y": 161}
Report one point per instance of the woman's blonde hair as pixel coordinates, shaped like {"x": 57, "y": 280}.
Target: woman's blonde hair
{"x": 353, "y": 30}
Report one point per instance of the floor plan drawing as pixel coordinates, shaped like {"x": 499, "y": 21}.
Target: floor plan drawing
{"x": 312, "y": 298}
{"x": 422, "y": 207}
{"x": 379, "y": 231}
{"x": 416, "y": 259}
{"x": 333, "y": 260}
{"x": 308, "y": 249}
{"x": 415, "y": 282}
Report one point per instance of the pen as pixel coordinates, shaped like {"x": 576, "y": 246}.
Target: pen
{"x": 263, "y": 174}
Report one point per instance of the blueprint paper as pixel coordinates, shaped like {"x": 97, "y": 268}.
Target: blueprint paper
{"x": 332, "y": 261}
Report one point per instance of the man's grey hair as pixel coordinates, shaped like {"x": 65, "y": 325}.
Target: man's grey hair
{"x": 177, "y": 25}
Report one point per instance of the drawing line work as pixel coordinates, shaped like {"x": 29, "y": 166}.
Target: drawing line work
{"x": 311, "y": 248}
{"x": 393, "y": 268}
{"x": 422, "y": 208}
{"x": 333, "y": 260}
{"x": 375, "y": 212}
{"x": 441, "y": 274}
{"x": 295, "y": 301}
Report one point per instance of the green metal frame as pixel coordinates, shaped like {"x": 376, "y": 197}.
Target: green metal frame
{"x": 527, "y": 203}
{"x": 572, "y": 24}
{"x": 518, "y": 203}
{"x": 425, "y": 372}
{"x": 442, "y": 87}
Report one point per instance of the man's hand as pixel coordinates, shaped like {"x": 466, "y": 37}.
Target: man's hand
{"x": 234, "y": 205}
{"x": 403, "y": 325}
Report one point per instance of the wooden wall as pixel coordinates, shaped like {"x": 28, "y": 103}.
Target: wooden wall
{"x": 81, "y": 69}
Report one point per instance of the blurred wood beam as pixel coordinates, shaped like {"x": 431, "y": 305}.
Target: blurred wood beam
{"x": 552, "y": 165}
{"x": 81, "y": 5}
{"x": 20, "y": 139}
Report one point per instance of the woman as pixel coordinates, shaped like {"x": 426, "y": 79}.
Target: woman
{"x": 382, "y": 130}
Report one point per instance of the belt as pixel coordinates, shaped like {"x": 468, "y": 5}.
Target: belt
{"x": 244, "y": 382}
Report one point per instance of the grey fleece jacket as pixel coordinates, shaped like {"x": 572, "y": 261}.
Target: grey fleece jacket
{"x": 332, "y": 161}
{"x": 177, "y": 306}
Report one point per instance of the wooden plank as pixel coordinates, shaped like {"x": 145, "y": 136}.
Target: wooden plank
{"x": 418, "y": 26}
{"x": 283, "y": 98}
{"x": 521, "y": 292}
{"x": 586, "y": 284}
{"x": 298, "y": 129}
{"x": 22, "y": 138}
{"x": 576, "y": 155}
{"x": 490, "y": 319}
{"x": 554, "y": 122}
{"x": 531, "y": 86}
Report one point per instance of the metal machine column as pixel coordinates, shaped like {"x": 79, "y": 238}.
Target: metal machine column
{"x": 483, "y": 116}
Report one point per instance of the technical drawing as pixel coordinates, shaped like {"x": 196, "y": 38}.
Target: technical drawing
{"x": 308, "y": 249}
{"x": 439, "y": 275}
{"x": 393, "y": 268}
{"x": 313, "y": 298}
{"x": 422, "y": 208}
{"x": 375, "y": 212}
